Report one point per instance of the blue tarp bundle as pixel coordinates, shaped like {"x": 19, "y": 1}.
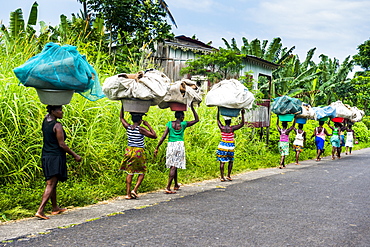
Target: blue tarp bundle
{"x": 326, "y": 111}
{"x": 61, "y": 67}
{"x": 286, "y": 105}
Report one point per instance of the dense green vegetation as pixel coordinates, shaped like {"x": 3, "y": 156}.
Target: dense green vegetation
{"x": 94, "y": 130}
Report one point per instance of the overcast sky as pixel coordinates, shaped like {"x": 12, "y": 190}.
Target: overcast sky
{"x": 334, "y": 27}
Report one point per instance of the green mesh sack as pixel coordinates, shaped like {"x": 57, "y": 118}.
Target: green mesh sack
{"x": 60, "y": 67}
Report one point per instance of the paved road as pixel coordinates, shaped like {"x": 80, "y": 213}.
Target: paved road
{"x": 316, "y": 204}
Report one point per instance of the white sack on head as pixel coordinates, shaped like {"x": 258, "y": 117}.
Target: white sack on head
{"x": 184, "y": 92}
{"x": 307, "y": 112}
{"x": 357, "y": 114}
{"x": 230, "y": 94}
{"x": 342, "y": 110}
{"x": 152, "y": 86}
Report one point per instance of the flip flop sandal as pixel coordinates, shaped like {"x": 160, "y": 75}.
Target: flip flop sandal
{"x": 229, "y": 178}
{"x": 134, "y": 194}
{"x": 170, "y": 192}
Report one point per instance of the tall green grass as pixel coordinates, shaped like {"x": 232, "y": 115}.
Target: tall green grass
{"x": 95, "y": 132}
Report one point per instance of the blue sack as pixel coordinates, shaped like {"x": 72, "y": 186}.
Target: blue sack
{"x": 326, "y": 111}
{"x": 286, "y": 105}
{"x": 60, "y": 67}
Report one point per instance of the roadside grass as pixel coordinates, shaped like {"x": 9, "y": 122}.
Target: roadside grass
{"x": 95, "y": 132}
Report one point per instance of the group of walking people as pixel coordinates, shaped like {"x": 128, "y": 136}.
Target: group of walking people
{"x": 134, "y": 161}
{"x": 337, "y": 139}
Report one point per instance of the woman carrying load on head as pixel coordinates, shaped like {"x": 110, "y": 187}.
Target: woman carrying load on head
{"x": 175, "y": 153}
{"x": 225, "y": 150}
{"x": 350, "y": 138}
{"x": 134, "y": 159}
{"x": 54, "y": 164}
{"x": 335, "y": 140}
{"x": 298, "y": 143}
{"x": 341, "y": 136}
{"x": 284, "y": 140}
{"x": 320, "y": 133}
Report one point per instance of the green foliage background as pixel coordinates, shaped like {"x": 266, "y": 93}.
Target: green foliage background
{"x": 95, "y": 132}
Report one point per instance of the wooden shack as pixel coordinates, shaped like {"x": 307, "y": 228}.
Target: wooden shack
{"x": 171, "y": 55}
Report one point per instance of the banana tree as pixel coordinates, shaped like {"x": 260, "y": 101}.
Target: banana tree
{"x": 273, "y": 52}
{"x": 17, "y": 30}
{"x": 333, "y": 81}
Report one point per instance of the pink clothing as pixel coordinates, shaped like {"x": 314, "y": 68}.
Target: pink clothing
{"x": 321, "y": 134}
{"x": 227, "y": 136}
{"x": 283, "y": 136}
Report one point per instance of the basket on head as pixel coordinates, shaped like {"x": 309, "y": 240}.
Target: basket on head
{"x": 136, "y": 105}
{"x": 55, "y": 96}
{"x": 174, "y": 106}
{"x": 229, "y": 112}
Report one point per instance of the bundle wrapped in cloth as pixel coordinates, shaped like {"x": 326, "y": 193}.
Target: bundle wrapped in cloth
{"x": 230, "y": 94}
{"x": 60, "y": 68}
{"x": 307, "y": 112}
{"x": 324, "y": 112}
{"x": 357, "y": 114}
{"x": 150, "y": 85}
{"x": 184, "y": 92}
{"x": 286, "y": 105}
{"x": 342, "y": 110}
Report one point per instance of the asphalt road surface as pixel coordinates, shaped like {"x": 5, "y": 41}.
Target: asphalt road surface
{"x": 316, "y": 204}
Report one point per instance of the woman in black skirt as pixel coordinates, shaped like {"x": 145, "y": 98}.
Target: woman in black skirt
{"x": 54, "y": 164}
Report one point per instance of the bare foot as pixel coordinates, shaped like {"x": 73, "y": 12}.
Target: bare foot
{"x": 42, "y": 216}
{"x": 58, "y": 211}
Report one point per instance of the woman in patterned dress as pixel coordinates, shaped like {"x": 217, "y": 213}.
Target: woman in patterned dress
{"x": 225, "y": 150}
{"x": 284, "y": 140}
{"x": 134, "y": 159}
{"x": 175, "y": 153}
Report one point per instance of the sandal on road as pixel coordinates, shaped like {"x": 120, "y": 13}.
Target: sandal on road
{"x": 134, "y": 194}
{"x": 169, "y": 192}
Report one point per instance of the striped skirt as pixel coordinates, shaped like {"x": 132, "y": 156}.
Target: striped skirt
{"x": 225, "y": 151}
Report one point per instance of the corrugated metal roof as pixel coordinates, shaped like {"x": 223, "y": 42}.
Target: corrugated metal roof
{"x": 263, "y": 61}
{"x": 189, "y": 43}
